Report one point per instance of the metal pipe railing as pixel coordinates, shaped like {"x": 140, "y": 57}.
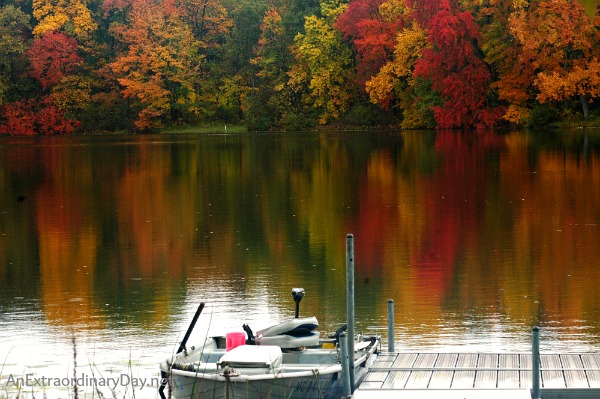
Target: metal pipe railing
{"x": 390, "y": 325}
{"x": 350, "y": 304}
{"x": 535, "y": 363}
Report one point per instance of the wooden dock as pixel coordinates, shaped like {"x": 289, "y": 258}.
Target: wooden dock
{"x": 480, "y": 375}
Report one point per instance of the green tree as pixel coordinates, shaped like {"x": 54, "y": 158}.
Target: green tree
{"x": 590, "y": 7}
{"x": 327, "y": 63}
{"x": 14, "y": 25}
{"x": 210, "y": 26}
{"x": 266, "y": 99}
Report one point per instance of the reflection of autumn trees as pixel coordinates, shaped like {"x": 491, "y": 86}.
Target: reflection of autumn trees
{"x": 451, "y": 252}
{"x": 68, "y": 241}
{"x": 155, "y": 215}
{"x": 453, "y": 200}
{"x": 556, "y": 230}
{"x": 444, "y": 223}
{"x": 440, "y": 218}
{"x": 377, "y": 199}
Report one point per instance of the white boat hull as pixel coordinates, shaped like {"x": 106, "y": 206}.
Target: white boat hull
{"x": 307, "y": 387}
{"x": 291, "y": 380}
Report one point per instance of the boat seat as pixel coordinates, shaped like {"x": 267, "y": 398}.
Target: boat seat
{"x": 295, "y": 327}
{"x": 294, "y": 333}
{"x": 287, "y": 341}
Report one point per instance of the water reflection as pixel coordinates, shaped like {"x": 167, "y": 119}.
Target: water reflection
{"x": 477, "y": 237}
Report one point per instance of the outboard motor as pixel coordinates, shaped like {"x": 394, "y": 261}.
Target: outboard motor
{"x": 251, "y": 338}
{"x": 297, "y": 294}
{"x": 339, "y": 331}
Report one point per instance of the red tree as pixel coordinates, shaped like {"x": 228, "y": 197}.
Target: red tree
{"x": 52, "y": 57}
{"x": 19, "y": 117}
{"x": 373, "y": 35}
{"x": 454, "y": 66}
{"x": 31, "y": 117}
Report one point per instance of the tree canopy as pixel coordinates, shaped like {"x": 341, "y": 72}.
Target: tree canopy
{"x": 89, "y": 65}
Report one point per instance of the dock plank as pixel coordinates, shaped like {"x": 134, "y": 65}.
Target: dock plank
{"x": 420, "y": 378}
{"x": 508, "y": 378}
{"x": 371, "y": 384}
{"x": 551, "y": 371}
{"x": 487, "y": 377}
{"x": 446, "y": 360}
{"x": 525, "y": 378}
{"x": 480, "y": 375}
{"x": 575, "y": 376}
{"x": 405, "y": 360}
{"x": 464, "y": 379}
{"x": 508, "y": 360}
{"x": 445, "y": 394}
{"x": 385, "y": 360}
{"x": 467, "y": 360}
{"x": 525, "y": 361}
{"x": 442, "y": 379}
{"x": 426, "y": 360}
{"x": 396, "y": 380}
{"x": 591, "y": 362}
{"x": 525, "y": 365}
{"x": 375, "y": 379}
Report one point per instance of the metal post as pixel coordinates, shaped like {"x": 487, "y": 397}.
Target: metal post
{"x": 390, "y": 325}
{"x": 344, "y": 361}
{"x": 535, "y": 364}
{"x": 350, "y": 304}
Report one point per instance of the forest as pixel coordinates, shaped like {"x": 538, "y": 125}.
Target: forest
{"x": 144, "y": 65}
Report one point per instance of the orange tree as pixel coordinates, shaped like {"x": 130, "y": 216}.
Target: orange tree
{"x": 563, "y": 44}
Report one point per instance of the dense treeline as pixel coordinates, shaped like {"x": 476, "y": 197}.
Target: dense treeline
{"x": 95, "y": 65}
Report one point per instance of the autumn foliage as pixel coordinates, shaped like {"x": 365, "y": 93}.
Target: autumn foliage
{"x": 32, "y": 117}
{"x": 453, "y": 65}
{"x": 52, "y": 57}
{"x": 372, "y": 32}
{"x": 295, "y": 63}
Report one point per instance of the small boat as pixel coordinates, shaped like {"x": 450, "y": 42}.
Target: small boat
{"x": 288, "y": 360}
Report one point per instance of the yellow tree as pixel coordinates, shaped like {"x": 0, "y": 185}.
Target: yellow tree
{"x": 394, "y": 83}
{"x": 71, "y": 16}
{"x": 326, "y": 63}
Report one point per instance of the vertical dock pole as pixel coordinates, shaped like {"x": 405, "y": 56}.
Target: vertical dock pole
{"x": 390, "y": 325}
{"x": 350, "y": 304}
{"x": 535, "y": 364}
{"x": 345, "y": 362}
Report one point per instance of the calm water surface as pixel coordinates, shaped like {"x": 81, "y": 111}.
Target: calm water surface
{"x": 108, "y": 244}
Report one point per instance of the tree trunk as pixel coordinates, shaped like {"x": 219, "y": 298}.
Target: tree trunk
{"x": 584, "y": 105}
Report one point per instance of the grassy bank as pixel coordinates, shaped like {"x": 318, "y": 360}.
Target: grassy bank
{"x": 213, "y": 128}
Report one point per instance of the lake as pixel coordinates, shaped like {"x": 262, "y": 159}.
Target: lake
{"x": 109, "y": 243}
